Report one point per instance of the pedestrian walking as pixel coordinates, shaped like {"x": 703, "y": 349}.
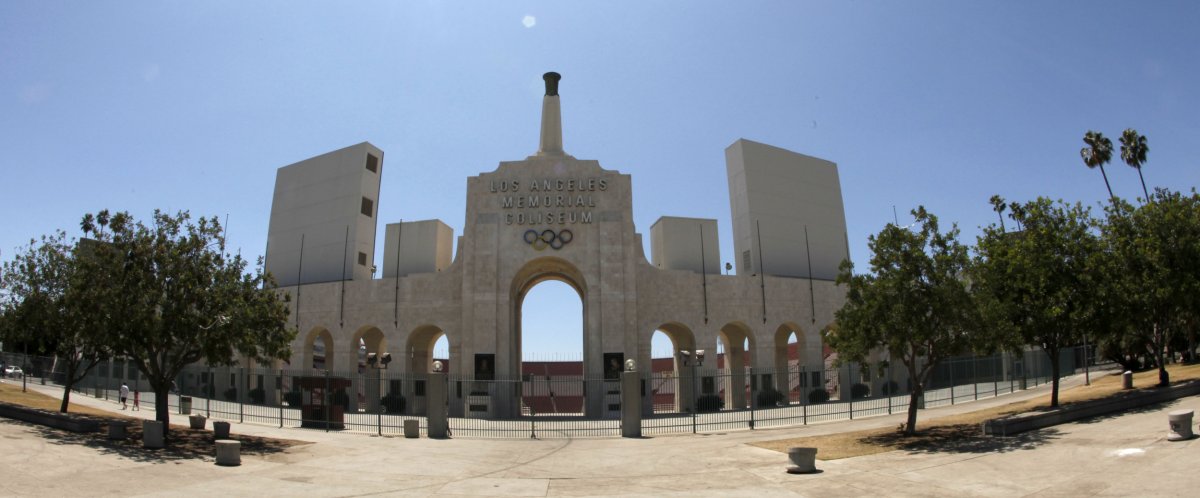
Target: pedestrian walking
{"x": 124, "y": 393}
{"x": 136, "y": 396}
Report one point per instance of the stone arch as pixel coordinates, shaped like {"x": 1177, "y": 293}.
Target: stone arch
{"x": 734, "y": 336}
{"x": 532, "y": 273}
{"x": 418, "y": 350}
{"x": 795, "y": 365}
{"x": 669, "y": 388}
{"x": 326, "y": 350}
{"x": 373, "y": 338}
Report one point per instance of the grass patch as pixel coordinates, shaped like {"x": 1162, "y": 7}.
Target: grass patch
{"x": 962, "y": 433}
{"x": 184, "y": 442}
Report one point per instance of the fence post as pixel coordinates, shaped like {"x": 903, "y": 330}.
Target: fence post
{"x": 328, "y": 401}
{"x": 803, "y": 395}
{"x": 891, "y": 391}
{"x": 379, "y": 408}
{"x": 209, "y": 389}
{"x": 975, "y": 374}
{"x": 752, "y": 399}
{"x": 848, "y": 391}
{"x": 279, "y": 397}
{"x": 952, "y": 381}
{"x": 245, "y": 393}
{"x": 995, "y": 381}
{"x": 631, "y": 404}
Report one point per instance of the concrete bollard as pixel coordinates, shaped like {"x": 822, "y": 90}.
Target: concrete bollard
{"x": 804, "y": 460}
{"x": 412, "y": 428}
{"x": 1181, "y": 425}
{"x": 197, "y": 421}
{"x": 220, "y": 430}
{"x": 117, "y": 430}
{"x": 229, "y": 453}
{"x": 152, "y": 434}
{"x": 1127, "y": 380}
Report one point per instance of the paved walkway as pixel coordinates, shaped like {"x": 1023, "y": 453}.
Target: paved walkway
{"x": 1122, "y": 455}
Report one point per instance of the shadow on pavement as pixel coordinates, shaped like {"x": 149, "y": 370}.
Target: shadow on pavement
{"x": 183, "y": 443}
{"x": 962, "y": 438}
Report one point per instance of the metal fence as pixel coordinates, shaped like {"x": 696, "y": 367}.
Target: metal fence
{"x": 691, "y": 398}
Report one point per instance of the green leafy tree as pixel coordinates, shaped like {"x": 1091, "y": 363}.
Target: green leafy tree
{"x": 1133, "y": 152}
{"x": 1039, "y": 285}
{"x": 182, "y": 299}
{"x": 914, "y": 303}
{"x": 1158, "y": 249}
{"x": 1098, "y": 153}
{"x": 48, "y": 304}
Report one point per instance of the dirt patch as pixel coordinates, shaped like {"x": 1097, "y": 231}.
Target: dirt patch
{"x": 962, "y": 433}
{"x": 183, "y": 441}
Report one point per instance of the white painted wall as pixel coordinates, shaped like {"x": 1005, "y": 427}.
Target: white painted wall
{"x": 675, "y": 244}
{"x": 784, "y": 192}
{"x": 321, "y": 199}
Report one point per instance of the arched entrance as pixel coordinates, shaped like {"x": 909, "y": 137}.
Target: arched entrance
{"x": 737, "y": 341}
{"x": 799, "y": 365}
{"x": 318, "y": 350}
{"x": 670, "y": 387}
{"x": 550, "y": 387}
{"x": 424, "y": 346}
{"x": 367, "y": 385}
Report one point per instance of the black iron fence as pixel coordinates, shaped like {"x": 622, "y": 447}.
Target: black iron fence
{"x": 689, "y": 398}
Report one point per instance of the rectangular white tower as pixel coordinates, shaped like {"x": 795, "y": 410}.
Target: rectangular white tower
{"x": 331, "y": 201}
{"x": 425, "y": 247}
{"x": 675, "y": 244}
{"x": 776, "y": 195}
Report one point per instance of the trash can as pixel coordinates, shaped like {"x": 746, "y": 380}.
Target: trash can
{"x": 185, "y": 405}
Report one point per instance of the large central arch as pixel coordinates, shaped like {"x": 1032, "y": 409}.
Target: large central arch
{"x": 530, "y": 275}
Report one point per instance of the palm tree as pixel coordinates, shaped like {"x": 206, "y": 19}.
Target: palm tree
{"x": 1133, "y": 152}
{"x": 1097, "y": 153}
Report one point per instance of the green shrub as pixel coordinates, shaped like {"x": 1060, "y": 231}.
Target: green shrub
{"x": 770, "y": 398}
{"x": 231, "y": 394}
{"x": 393, "y": 403}
{"x": 293, "y": 398}
{"x": 708, "y": 403}
{"x": 258, "y": 395}
{"x": 889, "y": 388}
{"x": 818, "y": 395}
{"x": 859, "y": 390}
{"x": 342, "y": 399}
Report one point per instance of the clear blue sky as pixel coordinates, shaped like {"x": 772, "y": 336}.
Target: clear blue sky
{"x": 193, "y": 105}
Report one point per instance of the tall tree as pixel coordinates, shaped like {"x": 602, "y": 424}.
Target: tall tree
{"x": 1158, "y": 245}
{"x": 1038, "y": 284}
{"x": 1133, "y": 152}
{"x": 1098, "y": 153}
{"x": 183, "y": 300}
{"x": 914, "y": 303}
{"x": 50, "y": 305}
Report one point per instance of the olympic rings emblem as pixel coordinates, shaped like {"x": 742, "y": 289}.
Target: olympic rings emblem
{"x": 548, "y": 238}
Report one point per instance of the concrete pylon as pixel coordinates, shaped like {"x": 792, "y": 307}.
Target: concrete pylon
{"x": 437, "y": 414}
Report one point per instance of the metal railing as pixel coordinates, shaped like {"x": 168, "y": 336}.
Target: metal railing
{"x": 686, "y": 399}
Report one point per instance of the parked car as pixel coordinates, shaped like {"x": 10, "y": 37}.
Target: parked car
{"x": 13, "y": 371}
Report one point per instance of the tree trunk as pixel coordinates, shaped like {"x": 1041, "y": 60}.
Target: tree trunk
{"x": 1054, "y": 372}
{"x": 910, "y": 427}
{"x": 162, "y": 410}
{"x": 1144, "y": 191}
{"x": 1164, "y": 379}
{"x": 67, "y": 383}
{"x": 1111, "y": 197}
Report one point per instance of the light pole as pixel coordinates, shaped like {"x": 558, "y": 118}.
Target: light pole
{"x": 379, "y": 363}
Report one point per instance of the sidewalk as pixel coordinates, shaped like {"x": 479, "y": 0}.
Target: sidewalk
{"x": 1071, "y": 460}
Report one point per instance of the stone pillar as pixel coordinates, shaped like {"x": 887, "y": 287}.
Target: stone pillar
{"x": 436, "y": 413}
{"x": 372, "y": 386}
{"x": 631, "y": 404}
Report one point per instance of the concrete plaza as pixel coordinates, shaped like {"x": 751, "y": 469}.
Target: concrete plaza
{"x": 1120, "y": 455}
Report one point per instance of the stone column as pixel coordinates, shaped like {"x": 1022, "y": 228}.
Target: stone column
{"x": 436, "y": 413}
{"x": 631, "y": 404}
